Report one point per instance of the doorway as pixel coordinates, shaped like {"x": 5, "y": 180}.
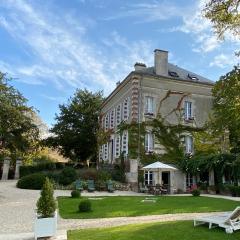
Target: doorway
{"x": 166, "y": 179}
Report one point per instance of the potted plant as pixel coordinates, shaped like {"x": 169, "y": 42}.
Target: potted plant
{"x": 46, "y": 216}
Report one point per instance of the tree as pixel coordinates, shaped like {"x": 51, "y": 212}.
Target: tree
{"x": 226, "y": 106}
{"x": 17, "y": 130}
{"x": 75, "y": 133}
{"x": 46, "y": 204}
{"x": 224, "y": 15}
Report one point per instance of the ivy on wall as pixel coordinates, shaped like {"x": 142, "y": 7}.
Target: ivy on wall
{"x": 167, "y": 135}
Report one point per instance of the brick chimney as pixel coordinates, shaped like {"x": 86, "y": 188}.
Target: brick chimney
{"x": 161, "y": 62}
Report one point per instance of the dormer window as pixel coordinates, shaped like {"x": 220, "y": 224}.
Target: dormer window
{"x": 193, "y": 77}
{"x": 173, "y": 74}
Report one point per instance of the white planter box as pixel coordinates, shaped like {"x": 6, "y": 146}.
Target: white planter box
{"x": 45, "y": 227}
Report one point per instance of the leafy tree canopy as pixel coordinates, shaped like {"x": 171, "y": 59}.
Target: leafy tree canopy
{"x": 17, "y": 130}
{"x": 75, "y": 133}
{"x": 225, "y": 16}
{"x": 226, "y": 105}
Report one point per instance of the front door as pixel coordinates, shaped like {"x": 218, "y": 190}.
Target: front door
{"x": 166, "y": 179}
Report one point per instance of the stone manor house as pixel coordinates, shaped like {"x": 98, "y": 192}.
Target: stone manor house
{"x": 137, "y": 99}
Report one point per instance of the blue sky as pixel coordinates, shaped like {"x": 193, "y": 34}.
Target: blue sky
{"x": 52, "y": 47}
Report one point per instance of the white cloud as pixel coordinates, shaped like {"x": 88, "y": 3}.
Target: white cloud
{"x": 224, "y": 61}
{"x": 149, "y": 12}
{"x": 62, "y": 55}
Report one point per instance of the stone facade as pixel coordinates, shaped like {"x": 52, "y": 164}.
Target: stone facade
{"x": 143, "y": 94}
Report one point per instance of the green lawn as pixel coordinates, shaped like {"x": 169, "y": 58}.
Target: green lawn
{"x": 182, "y": 230}
{"x": 132, "y": 206}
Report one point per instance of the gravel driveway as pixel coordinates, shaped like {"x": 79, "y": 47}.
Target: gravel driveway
{"x": 17, "y": 207}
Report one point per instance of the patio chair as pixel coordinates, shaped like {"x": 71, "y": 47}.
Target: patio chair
{"x": 91, "y": 187}
{"x": 151, "y": 189}
{"x": 142, "y": 188}
{"x": 164, "y": 190}
{"x": 158, "y": 189}
{"x": 110, "y": 187}
{"x": 229, "y": 221}
{"x": 79, "y": 185}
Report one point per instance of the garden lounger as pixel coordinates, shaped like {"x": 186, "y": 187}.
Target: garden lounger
{"x": 110, "y": 187}
{"x": 91, "y": 187}
{"x": 229, "y": 221}
{"x": 78, "y": 185}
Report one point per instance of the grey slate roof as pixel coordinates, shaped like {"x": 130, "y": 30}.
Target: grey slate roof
{"x": 182, "y": 73}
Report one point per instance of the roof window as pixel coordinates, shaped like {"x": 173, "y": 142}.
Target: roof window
{"x": 173, "y": 74}
{"x": 193, "y": 77}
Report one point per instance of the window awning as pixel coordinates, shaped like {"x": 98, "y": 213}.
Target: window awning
{"x": 159, "y": 166}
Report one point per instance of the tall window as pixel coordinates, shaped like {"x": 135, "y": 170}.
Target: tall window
{"x": 189, "y": 180}
{"x": 105, "y": 152}
{"x": 149, "y": 142}
{"x": 125, "y": 109}
{"x": 118, "y": 115}
{"x": 117, "y": 146}
{"x": 112, "y": 115}
{"x": 149, "y": 105}
{"x": 188, "y": 110}
{"x": 189, "y": 144}
{"x": 125, "y": 142}
{"x": 148, "y": 178}
{"x": 106, "y": 122}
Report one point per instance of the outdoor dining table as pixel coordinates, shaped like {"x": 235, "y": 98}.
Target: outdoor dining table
{"x": 157, "y": 189}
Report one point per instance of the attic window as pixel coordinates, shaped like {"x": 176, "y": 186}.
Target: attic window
{"x": 173, "y": 74}
{"x": 193, "y": 77}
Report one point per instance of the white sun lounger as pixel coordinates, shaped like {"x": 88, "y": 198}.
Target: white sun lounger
{"x": 229, "y": 221}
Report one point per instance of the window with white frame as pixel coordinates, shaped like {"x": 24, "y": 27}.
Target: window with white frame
{"x": 149, "y": 105}
{"x": 189, "y": 144}
{"x": 118, "y": 115}
{"x": 105, "y": 152}
{"x": 189, "y": 180}
{"x": 125, "y": 142}
{"x": 149, "y": 144}
{"x": 148, "y": 177}
{"x": 117, "y": 146}
{"x": 112, "y": 116}
{"x": 125, "y": 109}
{"x": 188, "y": 110}
{"x": 106, "y": 122}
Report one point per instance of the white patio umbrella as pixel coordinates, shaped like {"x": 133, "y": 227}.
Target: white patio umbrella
{"x": 159, "y": 166}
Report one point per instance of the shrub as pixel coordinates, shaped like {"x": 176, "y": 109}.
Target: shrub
{"x": 234, "y": 190}
{"x": 195, "y": 192}
{"x": 46, "y": 204}
{"x": 75, "y": 194}
{"x": 32, "y": 181}
{"x": 67, "y": 176}
{"x": 90, "y": 173}
{"x": 46, "y": 166}
{"x": 85, "y": 206}
{"x": 103, "y": 176}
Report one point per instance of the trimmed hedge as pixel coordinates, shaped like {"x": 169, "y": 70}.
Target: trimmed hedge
{"x": 195, "y": 192}
{"x": 32, "y": 181}
{"x": 75, "y": 194}
{"x": 27, "y": 170}
{"x": 234, "y": 190}
{"x": 85, "y": 206}
{"x": 67, "y": 176}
